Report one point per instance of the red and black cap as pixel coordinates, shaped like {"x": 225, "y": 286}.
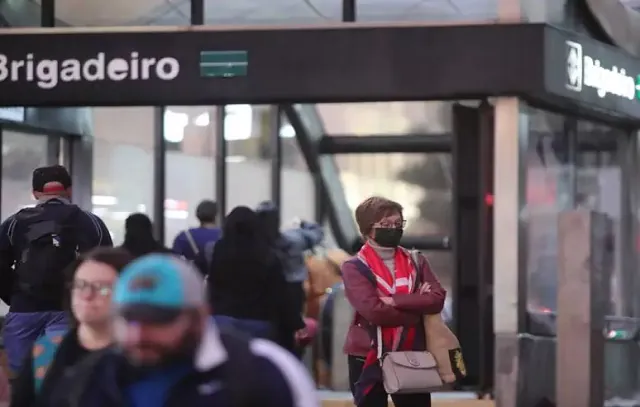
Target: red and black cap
{"x": 51, "y": 179}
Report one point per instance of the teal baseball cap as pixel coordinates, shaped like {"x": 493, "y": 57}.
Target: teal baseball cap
{"x": 157, "y": 288}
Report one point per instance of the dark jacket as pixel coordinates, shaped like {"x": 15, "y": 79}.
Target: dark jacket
{"x": 68, "y": 353}
{"x": 361, "y": 291}
{"x": 92, "y": 232}
{"x": 157, "y": 248}
{"x": 251, "y": 289}
{"x": 268, "y": 380}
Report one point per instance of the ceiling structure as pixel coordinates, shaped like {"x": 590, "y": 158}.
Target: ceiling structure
{"x": 176, "y": 12}
{"x": 399, "y": 117}
{"x": 620, "y": 20}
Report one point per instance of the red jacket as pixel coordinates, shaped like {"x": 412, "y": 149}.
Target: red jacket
{"x": 361, "y": 291}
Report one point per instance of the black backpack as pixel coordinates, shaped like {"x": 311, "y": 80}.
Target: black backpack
{"x": 50, "y": 244}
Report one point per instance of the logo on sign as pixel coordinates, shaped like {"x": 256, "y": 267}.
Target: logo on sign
{"x": 574, "y": 66}
{"x": 584, "y": 71}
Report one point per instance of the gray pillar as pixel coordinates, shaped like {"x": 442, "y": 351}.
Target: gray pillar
{"x": 584, "y": 263}
{"x": 508, "y": 270}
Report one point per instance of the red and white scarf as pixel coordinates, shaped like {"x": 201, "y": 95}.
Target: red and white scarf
{"x": 402, "y": 281}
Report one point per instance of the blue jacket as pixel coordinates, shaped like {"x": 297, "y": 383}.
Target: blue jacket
{"x": 272, "y": 377}
{"x": 294, "y": 242}
{"x": 201, "y": 237}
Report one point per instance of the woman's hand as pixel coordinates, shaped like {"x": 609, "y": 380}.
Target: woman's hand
{"x": 302, "y": 335}
{"x": 388, "y": 301}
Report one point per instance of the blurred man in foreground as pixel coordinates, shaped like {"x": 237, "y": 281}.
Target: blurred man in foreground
{"x": 170, "y": 354}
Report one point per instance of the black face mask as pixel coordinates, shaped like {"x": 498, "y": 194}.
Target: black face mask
{"x": 388, "y": 237}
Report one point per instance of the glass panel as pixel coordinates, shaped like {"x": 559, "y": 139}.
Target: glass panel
{"x": 571, "y": 164}
{"x": 421, "y": 183}
{"x": 292, "y": 157}
{"x": 21, "y": 154}
{"x": 329, "y": 240}
{"x": 64, "y": 156}
{"x": 119, "y": 12}
{"x": 388, "y": 118}
{"x": 553, "y": 11}
{"x": 122, "y": 165}
{"x": 190, "y": 178}
{"x": 599, "y": 188}
{"x": 246, "y": 129}
{"x": 546, "y": 195}
{"x": 158, "y": 12}
{"x": 298, "y": 189}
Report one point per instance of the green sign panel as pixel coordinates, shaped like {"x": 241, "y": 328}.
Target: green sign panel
{"x": 223, "y": 64}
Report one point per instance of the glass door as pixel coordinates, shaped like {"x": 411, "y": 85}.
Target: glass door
{"x": 472, "y": 198}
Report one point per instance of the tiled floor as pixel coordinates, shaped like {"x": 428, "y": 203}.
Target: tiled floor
{"x": 345, "y": 395}
{"x": 448, "y": 399}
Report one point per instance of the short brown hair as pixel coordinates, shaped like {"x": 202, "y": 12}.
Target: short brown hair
{"x": 371, "y": 210}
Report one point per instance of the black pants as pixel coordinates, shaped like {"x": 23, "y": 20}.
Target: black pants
{"x": 377, "y": 397}
{"x": 285, "y": 336}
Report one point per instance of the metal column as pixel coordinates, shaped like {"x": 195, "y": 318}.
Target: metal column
{"x": 372, "y": 144}
{"x": 197, "y": 12}
{"x": 221, "y": 164}
{"x": 320, "y": 206}
{"x": 472, "y": 255}
{"x": 47, "y": 13}
{"x": 159, "y": 172}
{"x": 349, "y": 9}
{"x": 276, "y": 155}
{"x": 160, "y": 147}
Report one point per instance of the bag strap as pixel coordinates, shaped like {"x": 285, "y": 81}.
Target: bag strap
{"x": 415, "y": 259}
{"x": 192, "y": 242}
{"x": 209, "y": 249}
{"x": 44, "y": 351}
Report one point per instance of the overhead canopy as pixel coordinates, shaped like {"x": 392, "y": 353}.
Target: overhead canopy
{"x": 205, "y": 65}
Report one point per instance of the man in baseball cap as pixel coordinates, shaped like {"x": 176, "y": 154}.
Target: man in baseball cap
{"x": 170, "y": 352}
{"x": 37, "y": 245}
{"x": 161, "y": 309}
{"x": 53, "y": 180}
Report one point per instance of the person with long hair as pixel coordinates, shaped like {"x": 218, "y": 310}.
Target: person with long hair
{"x": 138, "y": 236}
{"x": 91, "y": 278}
{"x": 246, "y": 286}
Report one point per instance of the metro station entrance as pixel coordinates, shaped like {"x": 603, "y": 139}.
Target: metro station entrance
{"x": 542, "y": 120}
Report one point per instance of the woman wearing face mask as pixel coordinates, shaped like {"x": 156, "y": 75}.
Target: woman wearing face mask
{"x": 91, "y": 279}
{"x": 390, "y": 293}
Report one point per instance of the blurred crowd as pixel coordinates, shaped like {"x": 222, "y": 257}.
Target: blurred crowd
{"x": 222, "y": 316}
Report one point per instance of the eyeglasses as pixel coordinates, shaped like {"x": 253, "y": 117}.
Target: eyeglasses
{"x": 391, "y": 225}
{"x": 98, "y": 288}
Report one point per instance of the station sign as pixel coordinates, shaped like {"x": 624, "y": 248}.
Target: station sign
{"x": 593, "y": 73}
{"x": 160, "y": 66}
{"x": 163, "y": 66}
